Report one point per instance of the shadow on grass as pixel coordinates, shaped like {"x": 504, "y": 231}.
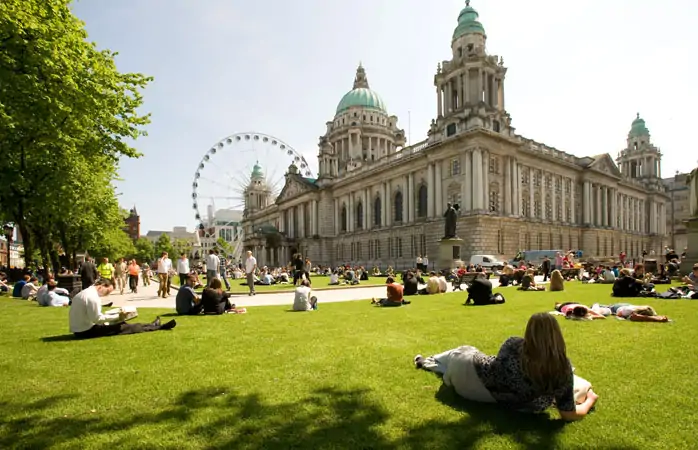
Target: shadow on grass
{"x": 215, "y": 418}
{"x": 59, "y": 338}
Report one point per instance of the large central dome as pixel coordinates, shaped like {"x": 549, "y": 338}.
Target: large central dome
{"x": 361, "y": 95}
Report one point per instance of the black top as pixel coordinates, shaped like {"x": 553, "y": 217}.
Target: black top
{"x": 88, "y": 272}
{"x": 185, "y": 301}
{"x": 298, "y": 264}
{"x": 410, "y": 286}
{"x": 214, "y": 302}
{"x": 503, "y": 377}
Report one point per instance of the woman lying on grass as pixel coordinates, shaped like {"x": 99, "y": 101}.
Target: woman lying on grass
{"x": 528, "y": 374}
{"x": 634, "y": 313}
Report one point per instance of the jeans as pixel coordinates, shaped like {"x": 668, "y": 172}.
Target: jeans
{"x": 210, "y": 275}
{"x": 182, "y": 279}
{"x": 225, "y": 279}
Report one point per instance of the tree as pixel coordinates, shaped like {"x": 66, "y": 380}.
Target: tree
{"x": 163, "y": 244}
{"x": 180, "y": 246}
{"x": 114, "y": 245}
{"x": 67, "y": 116}
{"x": 144, "y": 250}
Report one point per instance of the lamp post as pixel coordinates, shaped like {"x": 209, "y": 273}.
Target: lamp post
{"x": 8, "y": 229}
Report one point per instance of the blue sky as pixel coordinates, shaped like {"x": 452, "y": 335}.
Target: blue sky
{"x": 578, "y": 73}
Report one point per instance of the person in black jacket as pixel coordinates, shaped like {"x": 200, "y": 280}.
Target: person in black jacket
{"x": 214, "y": 300}
{"x": 545, "y": 267}
{"x": 411, "y": 285}
{"x": 298, "y": 268}
{"x": 88, "y": 273}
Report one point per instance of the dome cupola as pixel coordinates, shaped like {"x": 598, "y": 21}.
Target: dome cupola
{"x": 468, "y": 22}
{"x": 257, "y": 171}
{"x": 361, "y": 95}
{"x": 638, "y": 128}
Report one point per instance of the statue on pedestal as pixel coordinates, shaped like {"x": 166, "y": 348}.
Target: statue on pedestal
{"x": 693, "y": 192}
{"x": 451, "y": 216}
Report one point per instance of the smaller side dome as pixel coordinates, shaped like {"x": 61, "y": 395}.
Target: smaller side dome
{"x": 638, "y": 128}
{"x": 468, "y": 22}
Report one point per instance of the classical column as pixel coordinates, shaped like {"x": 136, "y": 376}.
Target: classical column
{"x": 384, "y": 204}
{"x": 447, "y": 100}
{"x": 486, "y": 180}
{"x": 336, "y": 216}
{"x": 507, "y": 186}
{"x": 301, "y": 220}
{"x": 410, "y": 189}
{"x": 516, "y": 186}
{"x": 406, "y": 201}
{"x": 350, "y": 213}
{"x": 604, "y": 206}
{"x": 531, "y": 192}
{"x": 388, "y": 204}
{"x": 368, "y": 209}
{"x": 466, "y": 77}
{"x": 431, "y": 191}
{"x": 439, "y": 101}
{"x": 553, "y": 198}
{"x": 542, "y": 191}
{"x": 468, "y": 184}
{"x": 598, "y": 218}
{"x": 438, "y": 190}
{"x": 586, "y": 207}
{"x": 477, "y": 179}
{"x": 573, "y": 204}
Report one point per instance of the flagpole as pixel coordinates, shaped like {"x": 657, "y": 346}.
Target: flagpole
{"x": 409, "y": 128}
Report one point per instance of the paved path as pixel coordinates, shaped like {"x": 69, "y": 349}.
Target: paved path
{"x": 147, "y": 296}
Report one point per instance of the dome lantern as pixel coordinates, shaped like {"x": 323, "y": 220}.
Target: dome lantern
{"x": 468, "y": 22}
{"x": 638, "y": 127}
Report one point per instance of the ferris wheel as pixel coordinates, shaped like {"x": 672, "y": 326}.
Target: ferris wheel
{"x": 221, "y": 178}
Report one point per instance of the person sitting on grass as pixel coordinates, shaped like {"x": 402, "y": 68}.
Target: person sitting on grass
{"x": 87, "y": 321}
{"x": 350, "y": 277}
{"x": 30, "y": 289}
{"x": 394, "y": 298}
{"x": 302, "y": 300}
{"x": 410, "y": 284}
{"x": 334, "y": 279}
{"x": 4, "y": 287}
{"x": 52, "y": 295}
{"x": 528, "y": 282}
{"x": 529, "y": 374}
{"x": 187, "y": 302}
{"x": 557, "y": 283}
{"x": 433, "y": 285}
{"x": 507, "y": 276}
{"x": 214, "y": 299}
{"x": 692, "y": 279}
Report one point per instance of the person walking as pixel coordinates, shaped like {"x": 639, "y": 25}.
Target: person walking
{"x": 146, "y": 273}
{"x": 120, "y": 274}
{"x": 183, "y": 269}
{"x": 250, "y": 268}
{"x": 106, "y": 271}
{"x": 222, "y": 268}
{"x": 212, "y": 263}
{"x": 133, "y": 271}
{"x": 88, "y": 273}
{"x": 164, "y": 267}
{"x": 545, "y": 267}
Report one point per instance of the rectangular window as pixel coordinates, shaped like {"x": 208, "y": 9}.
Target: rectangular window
{"x": 455, "y": 167}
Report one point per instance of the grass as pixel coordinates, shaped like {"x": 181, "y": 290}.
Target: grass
{"x": 319, "y": 282}
{"x": 341, "y": 377}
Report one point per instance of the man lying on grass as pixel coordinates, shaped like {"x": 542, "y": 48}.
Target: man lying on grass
{"x": 87, "y": 320}
{"x": 529, "y": 374}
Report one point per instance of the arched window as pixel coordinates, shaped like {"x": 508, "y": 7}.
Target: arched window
{"x": 422, "y": 201}
{"x": 398, "y": 206}
{"x": 344, "y": 218}
{"x": 377, "y": 210}
{"x": 359, "y": 216}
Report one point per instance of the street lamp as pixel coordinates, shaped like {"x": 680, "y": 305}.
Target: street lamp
{"x": 9, "y": 229}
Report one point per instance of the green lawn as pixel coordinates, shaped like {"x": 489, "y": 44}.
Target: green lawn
{"x": 341, "y": 377}
{"x": 319, "y": 282}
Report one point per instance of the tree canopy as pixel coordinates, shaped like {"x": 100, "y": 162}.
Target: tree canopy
{"x": 67, "y": 116}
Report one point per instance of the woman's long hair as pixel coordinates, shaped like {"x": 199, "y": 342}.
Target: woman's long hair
{"x": 557, "y": 283}
{"x": 216, "y": 285}
{"x": 544, "y": 354}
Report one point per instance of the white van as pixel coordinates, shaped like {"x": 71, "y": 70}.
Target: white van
{"x": 487, "y": 261}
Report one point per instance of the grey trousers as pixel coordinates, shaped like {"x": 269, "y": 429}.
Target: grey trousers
{"x": 250, "y": 282}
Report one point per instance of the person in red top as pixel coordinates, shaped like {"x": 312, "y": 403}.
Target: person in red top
{"x": 394, "y": 291}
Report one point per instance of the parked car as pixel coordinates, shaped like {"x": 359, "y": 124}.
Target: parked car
{"x": 487, "y": 262}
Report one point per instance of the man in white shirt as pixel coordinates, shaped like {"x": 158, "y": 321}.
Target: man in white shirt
{"x": 212, "y": 263}
{"x": 419, "y": 262}
{"x": 164, "y": 267}
{"x": 250, "y": 268}
{"x": 425, "y": 263}
{"x": 87, "y": 320}
{"x": 183, "y": 269}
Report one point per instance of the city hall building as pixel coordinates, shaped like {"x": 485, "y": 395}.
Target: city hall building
{"x": 378, "y": 202}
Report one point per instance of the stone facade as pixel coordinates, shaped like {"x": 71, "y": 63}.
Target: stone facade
{"x": 376, "y": 202}
{"x": 678, "y": 211}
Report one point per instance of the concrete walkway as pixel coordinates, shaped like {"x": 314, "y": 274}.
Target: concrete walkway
{"x": 147, "y": 296}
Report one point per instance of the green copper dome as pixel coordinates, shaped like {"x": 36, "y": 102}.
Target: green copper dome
{"x": 361, "y": 95}
{"x": 257, "y": 171}
{"x": 468, "y": 23}
{"x": 638, "y": 128}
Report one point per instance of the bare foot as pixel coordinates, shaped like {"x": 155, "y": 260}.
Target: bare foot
{"x": 592, "y": 395}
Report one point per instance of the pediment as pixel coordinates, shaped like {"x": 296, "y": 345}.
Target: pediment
{"x": 293, "y": 188}
{"x": 604, "y": 164}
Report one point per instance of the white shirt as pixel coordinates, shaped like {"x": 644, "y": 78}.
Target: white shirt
{"x": 183, "y": 265}
{"x": 425, "y": 261}
{"x": 443, "y": 285}
{"x": 29, "y": 290}
{"x": 86, "y": 311}
{"x": 250, "y": 264}
{"x": 164, "y": 265}
{"x": 301, "y": 302}
{"x": 334, "y": 278}
{"x": 212, "y": 262}
{"x": 52, "y": 298}
{"x": 419, "y": 260}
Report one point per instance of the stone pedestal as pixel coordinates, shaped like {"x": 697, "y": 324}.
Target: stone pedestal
{"x": 692, "y": 251}
{"x": 449, "y": 253}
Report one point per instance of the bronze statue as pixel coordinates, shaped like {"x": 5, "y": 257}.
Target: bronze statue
{"x": 451, "y": 216}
